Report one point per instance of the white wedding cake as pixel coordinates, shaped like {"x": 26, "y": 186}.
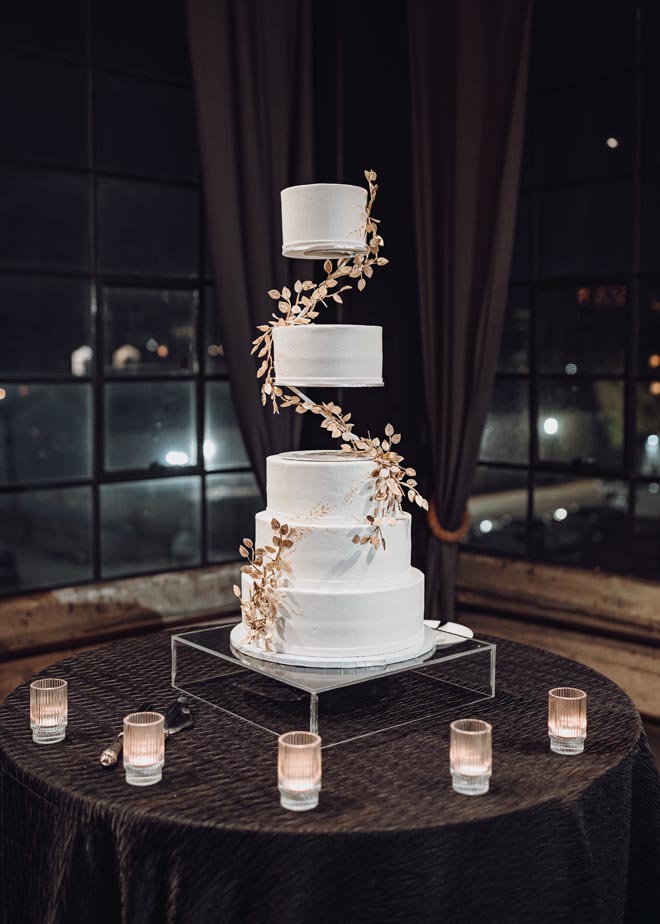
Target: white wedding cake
{"x": 329, "y": 579}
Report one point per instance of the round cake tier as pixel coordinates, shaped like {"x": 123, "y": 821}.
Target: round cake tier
{"x": 323, "y": 550}
{"x": 334, "y": 355}
{"x": 334, "y": 624}
{"x": 324, "y": 220}
{"x": 319, "y": 483}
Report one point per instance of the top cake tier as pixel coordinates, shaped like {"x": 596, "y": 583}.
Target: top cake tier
{"x": 324, "y": 221}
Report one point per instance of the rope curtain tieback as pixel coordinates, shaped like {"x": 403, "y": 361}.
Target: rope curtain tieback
{"x": 446, "y": 535}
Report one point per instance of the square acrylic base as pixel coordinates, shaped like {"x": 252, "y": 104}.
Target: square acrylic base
{"x": 340, "y": 704}
{"x": 50, "y": 734}
{"x": 566, "y": 746}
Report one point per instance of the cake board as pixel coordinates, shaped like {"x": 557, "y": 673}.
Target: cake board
{"x": 341, "y": 704}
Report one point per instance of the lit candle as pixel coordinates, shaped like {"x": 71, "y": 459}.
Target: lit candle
{"x": 299, "y": 770}
{"x": 567, "y": 720}
{"x": 144, "y": 748}
{"x": 471, "y": 756}
{"x": 48, "y": 710}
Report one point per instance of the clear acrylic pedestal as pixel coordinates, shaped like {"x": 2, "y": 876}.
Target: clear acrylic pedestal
{"x": 340, "y": 704}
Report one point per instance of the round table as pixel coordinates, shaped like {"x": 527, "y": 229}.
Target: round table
{"x": 573, "y": 839}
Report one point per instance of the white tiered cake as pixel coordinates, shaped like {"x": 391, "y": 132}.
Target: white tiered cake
{"x": 346, "y": 594}
{"x": 343, "y": 602}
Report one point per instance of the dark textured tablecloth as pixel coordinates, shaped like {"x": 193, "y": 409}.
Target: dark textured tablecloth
{"x": 558, "y": 839}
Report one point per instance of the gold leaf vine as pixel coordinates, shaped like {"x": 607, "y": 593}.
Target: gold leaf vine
{"x": 266, "y": 566}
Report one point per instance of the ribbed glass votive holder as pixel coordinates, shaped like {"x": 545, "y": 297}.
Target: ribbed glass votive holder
{"x": 471, "y": 756}
{"x": 299, "y": 770}
{"x": 144, "y": 748}
{"x": 567, "y": 720}
{"x": 48, "y": 709}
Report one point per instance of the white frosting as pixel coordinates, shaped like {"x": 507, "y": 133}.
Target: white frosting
{"x": 324, "y": 550}
{"x": 337, "y": 623}
{"x": 318, "y": 483}
{"x": 339, "y": 602}
{"x": 328, "y": 354}
{"x": 324, "y": 220}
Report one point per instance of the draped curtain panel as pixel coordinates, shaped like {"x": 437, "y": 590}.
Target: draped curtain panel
{"x": 252, "y": 73}
{"x": 468, "y": 70}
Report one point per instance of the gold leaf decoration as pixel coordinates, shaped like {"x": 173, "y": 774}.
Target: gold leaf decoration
{"x": 267, "y": 567}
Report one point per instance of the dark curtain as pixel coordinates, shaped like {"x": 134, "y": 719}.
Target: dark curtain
{"x": 468, "y": 67}
{"x": 252, "y": 72}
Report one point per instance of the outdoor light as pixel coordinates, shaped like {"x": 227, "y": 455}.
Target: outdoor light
{"x": 652, "y": 441}
{"x": 560, "y": 514}
{"x": 485, "y": 526}
{"x": 551, "y": 425}
{"x": 571, "y": 369}
{"x": 176, "y": 458}
{"x": 612, "y": 143}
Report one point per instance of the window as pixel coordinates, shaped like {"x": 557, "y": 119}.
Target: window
{"x": 570, "y": 457}
{"x": 120, "y": 453}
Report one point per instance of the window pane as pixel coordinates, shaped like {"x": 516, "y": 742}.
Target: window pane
{"x": 150, "y": 525}
{"x": 650, "y": 127}
{"x": 581, "y": 40}
{"x": 650, "y": 231}
{"x": 214, "y": 358}
{"x": 514, "y": 349}
{"x": 232, "y": 502}
{"x": 581, "y": 329}
{"x": 41, "y": 25}
{"x": 145, "y": 127}
{"x": 506, "y": 434}
{"x": 45, "y": 538}
{"x": 150, "y": 425}
{"x": 646, "y": 557}
{"x": 45, "y": 326}
{"x": 586, "y": 131}
{"x": 149, "y": 331}
{"x": 581, "y": 520}
{"x": 521, "y": 264}
{"x": 648, "y": 343}
{"x": 145, "y": 228}
{"x": 149, "y": 37}
{"x": 223, "y": 443}
{"x": 647, "y": 445}
{"x": 498, "y": 511}
{"x": 47, "y": 118}
{"x": 45, "y": 432}
{"x": 45, "y": 219}
{"x": 581, "y": 422}
{"x": 586, "y": 229}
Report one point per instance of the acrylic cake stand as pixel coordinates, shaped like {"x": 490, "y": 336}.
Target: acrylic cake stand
{"x": 345, "y": 703}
